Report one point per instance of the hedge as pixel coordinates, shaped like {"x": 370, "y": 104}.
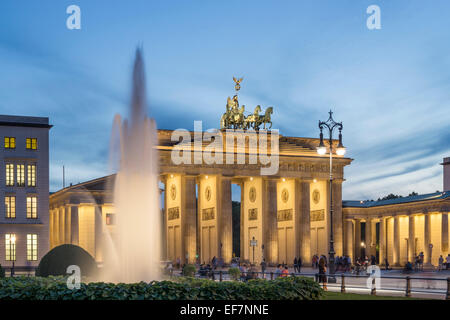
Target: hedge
{"x": 55, "y": 288}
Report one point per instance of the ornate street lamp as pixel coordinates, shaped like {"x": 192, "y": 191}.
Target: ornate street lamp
{"x": 330, "y": 124}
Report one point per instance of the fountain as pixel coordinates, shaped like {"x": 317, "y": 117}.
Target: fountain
{"x": 135, "y": 254}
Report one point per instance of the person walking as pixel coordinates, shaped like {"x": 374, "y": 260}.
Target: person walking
{"x": 263, "y": 266}
{"x": 295, "y": 265}
{"x": 285, "y": 272}
{"x": 323, "y": 273}
{"x": 441, "y": 263}
{"x": 278, "y": 271}
{"x": 421, "y": 258}
{"x": 299, "y": 264}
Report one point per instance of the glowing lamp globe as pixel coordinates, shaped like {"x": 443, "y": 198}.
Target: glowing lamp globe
{"x": 340, "y": 151}
{"x": 321, "y": 150}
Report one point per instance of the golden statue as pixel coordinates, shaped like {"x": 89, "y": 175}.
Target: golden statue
{"x": 237, "y": 87}
{"x": 234, "y": 117}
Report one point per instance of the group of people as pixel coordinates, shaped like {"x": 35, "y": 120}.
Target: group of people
{"x": 447, "y": 263}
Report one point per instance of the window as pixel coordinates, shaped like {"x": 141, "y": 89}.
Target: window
{"x": 32, "y": 143}
{"x": 32, "y": 175}
{"x": 32, "y": 207}
{"x": 10, "y": 143}
{"x": 10, "y": 247}
{"x": 21, "y": 175}
{"x": 10, "y": 207}
{"x": 110, "y": 219}
{"x": 9, "y": 174}
{"x": 32, "y": 247}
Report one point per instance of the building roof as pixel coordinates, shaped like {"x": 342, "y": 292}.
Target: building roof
{"x": 420, "y": 197}
{"x": 24, "y": 121}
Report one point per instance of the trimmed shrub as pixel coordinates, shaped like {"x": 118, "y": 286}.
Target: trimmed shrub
{"x": 189, "y": 270}
{"x": 234, "y": 273}
{"x": 56, "y": 261}
{"x": 2, "y": 272}
{"x": 55, "y": 288}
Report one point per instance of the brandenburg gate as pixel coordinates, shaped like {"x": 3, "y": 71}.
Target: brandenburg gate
{"x": 283, "y": 211}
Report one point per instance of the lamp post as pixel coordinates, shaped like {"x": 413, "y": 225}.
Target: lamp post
{"x": 12, "y": 252}
{"x": 330, "y": 124}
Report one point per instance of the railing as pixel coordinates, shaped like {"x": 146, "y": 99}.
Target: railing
{"x": 408, "y": 289}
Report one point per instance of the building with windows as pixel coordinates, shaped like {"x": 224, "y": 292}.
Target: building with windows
{"x": 24, "y": 189}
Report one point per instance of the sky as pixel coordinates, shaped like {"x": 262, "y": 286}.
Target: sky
{"x": 389, "y": 86}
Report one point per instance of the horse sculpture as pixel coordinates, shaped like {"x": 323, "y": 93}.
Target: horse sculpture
{"x": 234, "y": 116}
{"x": 252, "y": 121}
{"x": 266, "y": 117}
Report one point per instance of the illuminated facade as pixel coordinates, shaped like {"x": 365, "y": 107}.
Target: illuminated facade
{"x": 400, "y": 229}
{"x": 24, "y": 190}
{"x": 286, "y": 214}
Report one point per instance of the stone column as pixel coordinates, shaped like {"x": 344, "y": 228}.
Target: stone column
{"x": 411, "y": 238}
{"x": 62, "y": 223}
{"x": 225, "y": 220}
{"x": 349, "y": 239}
{"x": 67, "y": 222}
{"x": 98, "y": 232}
{"x": 368, "y": 239}
{"x": 302, "y": 221}
{"x": 427, "y": 240}
{"x": 242, "y": 222}
{"x": 56, "y": 227}
{"x": 188, "y": 219}
{"x": 383, "y": 252}
{"x": 357, "y": 239}
{"x": 269, "y": 220}
{"x": 74, "y": 232}
{"x": 396, "y": 252}
{"x": 337, "y": 218}
{"x": 164, "y": 242}
{"x": 444, "y": 226}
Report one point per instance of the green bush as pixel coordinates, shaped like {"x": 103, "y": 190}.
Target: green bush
{"x": 2, "y": 272}
{"x": 55, "y": 288}
{"x": 189, "y": 270}
{"x": 56, "y": 261}
{"x": 234, "y": 273}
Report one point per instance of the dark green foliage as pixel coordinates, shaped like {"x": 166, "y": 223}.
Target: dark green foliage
{"x": 2, "y": 272}
{"x": 55, "y": 288}
{"x": 189, "y": 270}
{"x": 56, "y": 261}
{"x": 234, "y": 273}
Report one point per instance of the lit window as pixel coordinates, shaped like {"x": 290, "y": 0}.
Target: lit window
{"x": 21, "y": 175}
{"x": 10, "y": 207}
{"x": 32, "y": 143}
{"x": 32, "y": 247}
{"x": 10, "y": 143}
{"x": 32, "y": 207}
{"x": 9, "y": 174}
{"x": 110, "y": 219}
{"x": 10, "y": 247}
{"x": 32, "y": 175}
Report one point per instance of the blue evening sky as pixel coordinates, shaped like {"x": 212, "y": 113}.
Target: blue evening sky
{"x": 390, "y": 87}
